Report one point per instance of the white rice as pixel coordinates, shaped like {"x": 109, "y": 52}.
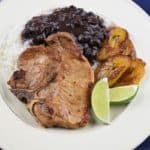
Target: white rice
{"x": 10, "y": 48}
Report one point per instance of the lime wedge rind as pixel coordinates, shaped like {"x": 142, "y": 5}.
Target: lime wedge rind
{"x": 102, "y": 96}
{"x": 101, "y": 101}
{"x": 123, "y": 94}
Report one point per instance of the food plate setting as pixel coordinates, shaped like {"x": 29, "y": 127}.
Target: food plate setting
{"x": 74, "y": 73}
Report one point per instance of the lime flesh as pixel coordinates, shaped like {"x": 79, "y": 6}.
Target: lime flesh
{"x": 101, "y": 101}
{"x": 123, "y": 94}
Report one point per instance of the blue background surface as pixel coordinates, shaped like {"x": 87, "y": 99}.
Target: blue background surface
{"x": 145, "y": 4}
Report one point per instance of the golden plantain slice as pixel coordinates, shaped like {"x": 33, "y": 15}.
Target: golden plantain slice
{"x": 134, "y": 73}
{"x": 113, "y": 68}
{"x": 107, "y": 52}
{"x": 118, "y": 43}
{"x": 128, "y": 48}
{"x": 117, "y": 36}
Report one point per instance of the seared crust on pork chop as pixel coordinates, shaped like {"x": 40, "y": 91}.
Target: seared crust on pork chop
{"x": 55, "y": 81}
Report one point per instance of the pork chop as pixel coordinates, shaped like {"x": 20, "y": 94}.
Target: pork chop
{"x": 55, "y": 80}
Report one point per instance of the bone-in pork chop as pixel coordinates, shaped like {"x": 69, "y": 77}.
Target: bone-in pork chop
{"x": 55, "y": 80}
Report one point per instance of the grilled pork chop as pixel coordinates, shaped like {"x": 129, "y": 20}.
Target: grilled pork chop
{"x": 54, "y": 80}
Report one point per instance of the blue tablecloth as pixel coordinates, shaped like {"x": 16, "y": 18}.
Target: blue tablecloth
{"x": 145, "y": 4}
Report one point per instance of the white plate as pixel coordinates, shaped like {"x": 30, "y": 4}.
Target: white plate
{"x": 128, "y": 129}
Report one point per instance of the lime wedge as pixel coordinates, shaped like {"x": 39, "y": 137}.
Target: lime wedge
{"x": 123, "y": 94}
{"x": 100, "y": 101}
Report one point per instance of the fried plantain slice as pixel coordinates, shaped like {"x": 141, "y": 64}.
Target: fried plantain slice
{"x": 128, "y": 48}
{"x": 117, "y": 43}
{"x": 107, "y": 52}
{"x": 113, "y": 68}
{"x": 117, "y": 36}
{"x": 134, "y": 73}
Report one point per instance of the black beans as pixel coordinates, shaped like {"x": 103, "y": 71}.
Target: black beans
{"x": 88, "y": 28}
